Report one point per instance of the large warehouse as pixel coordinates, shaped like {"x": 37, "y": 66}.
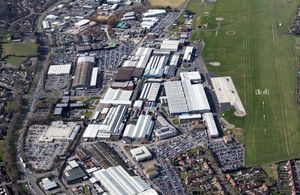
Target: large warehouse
{"x": 83, "y": 71}
{"x": 118, "y": 182}
{"x": 150, "y": 92}
{"x": 112, "y": 125}
{"x": 156, "y": 66}
{"x": 171, "y": 45}
{"x": 60, "y": 131}
{"x": 142, "y": 129}
{"x": 117, "y": 97}
{"x": 184, "y": 96}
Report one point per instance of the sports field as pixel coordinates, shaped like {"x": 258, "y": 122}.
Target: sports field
{"x": 253, "y": 48}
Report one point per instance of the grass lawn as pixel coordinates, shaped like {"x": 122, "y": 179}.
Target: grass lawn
{"x": 258, "y": 54}
{"x": 20, "y": 49}
{"x": 15, "y": 60}
{"x": 172, "y": 3}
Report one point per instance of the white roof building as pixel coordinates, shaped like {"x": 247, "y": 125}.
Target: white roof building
{"x": 117, "y": 97}
{"x": 81, "y": 23}
{"x": 142, "y": 129}
{"x": 171, "y": 45}
{"x": 150, "y": 92}
{"x": 118, "y": 182}
{"x": 184, "y": 96}
{"x": 156, "y": 66}
{"x": 154, "y": 12}
{"x": 60, "y": 131}
{"x": 195, "y": 96}
{"x": 175, "y": 96}
{"x": 59, "y": 69}
{"x": 47, "y": 184}
{"x": 141, "y": 154}
{"x": 192, "y": 76}
{"x": 86, "y": 59}
{"x": 210, "y": 122}
{"x": 46, "y": 24}
{"x": 94, "y": 77}
{"x": 111, "y": 125}
{"x": 188, "y": 54}
{"x": 140, "y": 58}
{"x": 174, "y": 60}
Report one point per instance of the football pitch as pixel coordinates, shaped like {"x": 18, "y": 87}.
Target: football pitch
{"x": 254, "y": 48}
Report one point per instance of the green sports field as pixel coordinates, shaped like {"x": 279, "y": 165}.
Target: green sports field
{"x": 255, "y": 50}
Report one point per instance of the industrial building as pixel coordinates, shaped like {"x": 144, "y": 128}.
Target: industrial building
{"x": 83, "y": 72}
{"x": 73, "y": 173}
{"x": 47, "y": 184}
{"x": 112, "y": 125}
{"x": 187, "y": 95}
{"x": 117, "y": 97}
{"x": 143, "y": 55}
{"x": 141, "y": 154}
{"x": 195, "y": 96}
{"x": 227, "y": 94}
{"x": 171, "y": 45}
{"x": 175, "y": 97}
{"x": 165, "y": 132}
{"x": 156, "y": 66}
{"x": 118, "y": 182}
{"x": 59, "y": 69}
{"x": 154, "y": 12}
{"x": 94, "y": 77}
{"x": 210, "y": 123}
{"x": 142, "y": 129}
{"x": 60, "y": 131}
{"x": 150, "y": 92}
{"x": 189, "y": 54}
{"x": 174, "y": 60}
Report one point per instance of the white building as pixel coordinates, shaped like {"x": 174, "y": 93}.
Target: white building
{"x": 188, "y": 54}
{"x": 210, "y": 122}
{"x": 117, "y": 97}
{"x": 175, "y": 96}
{"x": 156, "y": 66}
{"x": 118, "y": 182}
{"x": 60, "y": 131}
{"x": 94, "y": 77}
{"x": 154, "y": 12}
{"x": 141, "y": 154}
{"x": 150, "y": 92}
{"x": 171, "y": 45}
{"x": 142, "y": 129}
{"x": 112, "y": 125}
{"x": 59, "y": 69}
{"x": 46, "y": 25}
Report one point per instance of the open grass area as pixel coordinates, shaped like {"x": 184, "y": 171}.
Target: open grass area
{"x": 15, "y": 60}
{"x": 258, "y": 54}
{"x": 172, "y": 3}
{"x": 20, "y": 49}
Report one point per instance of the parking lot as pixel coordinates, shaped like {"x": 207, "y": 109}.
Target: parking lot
{"x": 41, "y": 155}
{"x": 230, "y": 156}
{"x": 165, "y": 21}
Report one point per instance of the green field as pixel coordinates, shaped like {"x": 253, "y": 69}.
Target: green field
{"x": 17, "y": 53}
{"x": 256, "y": 51}
{"x": 20, "y": 49}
